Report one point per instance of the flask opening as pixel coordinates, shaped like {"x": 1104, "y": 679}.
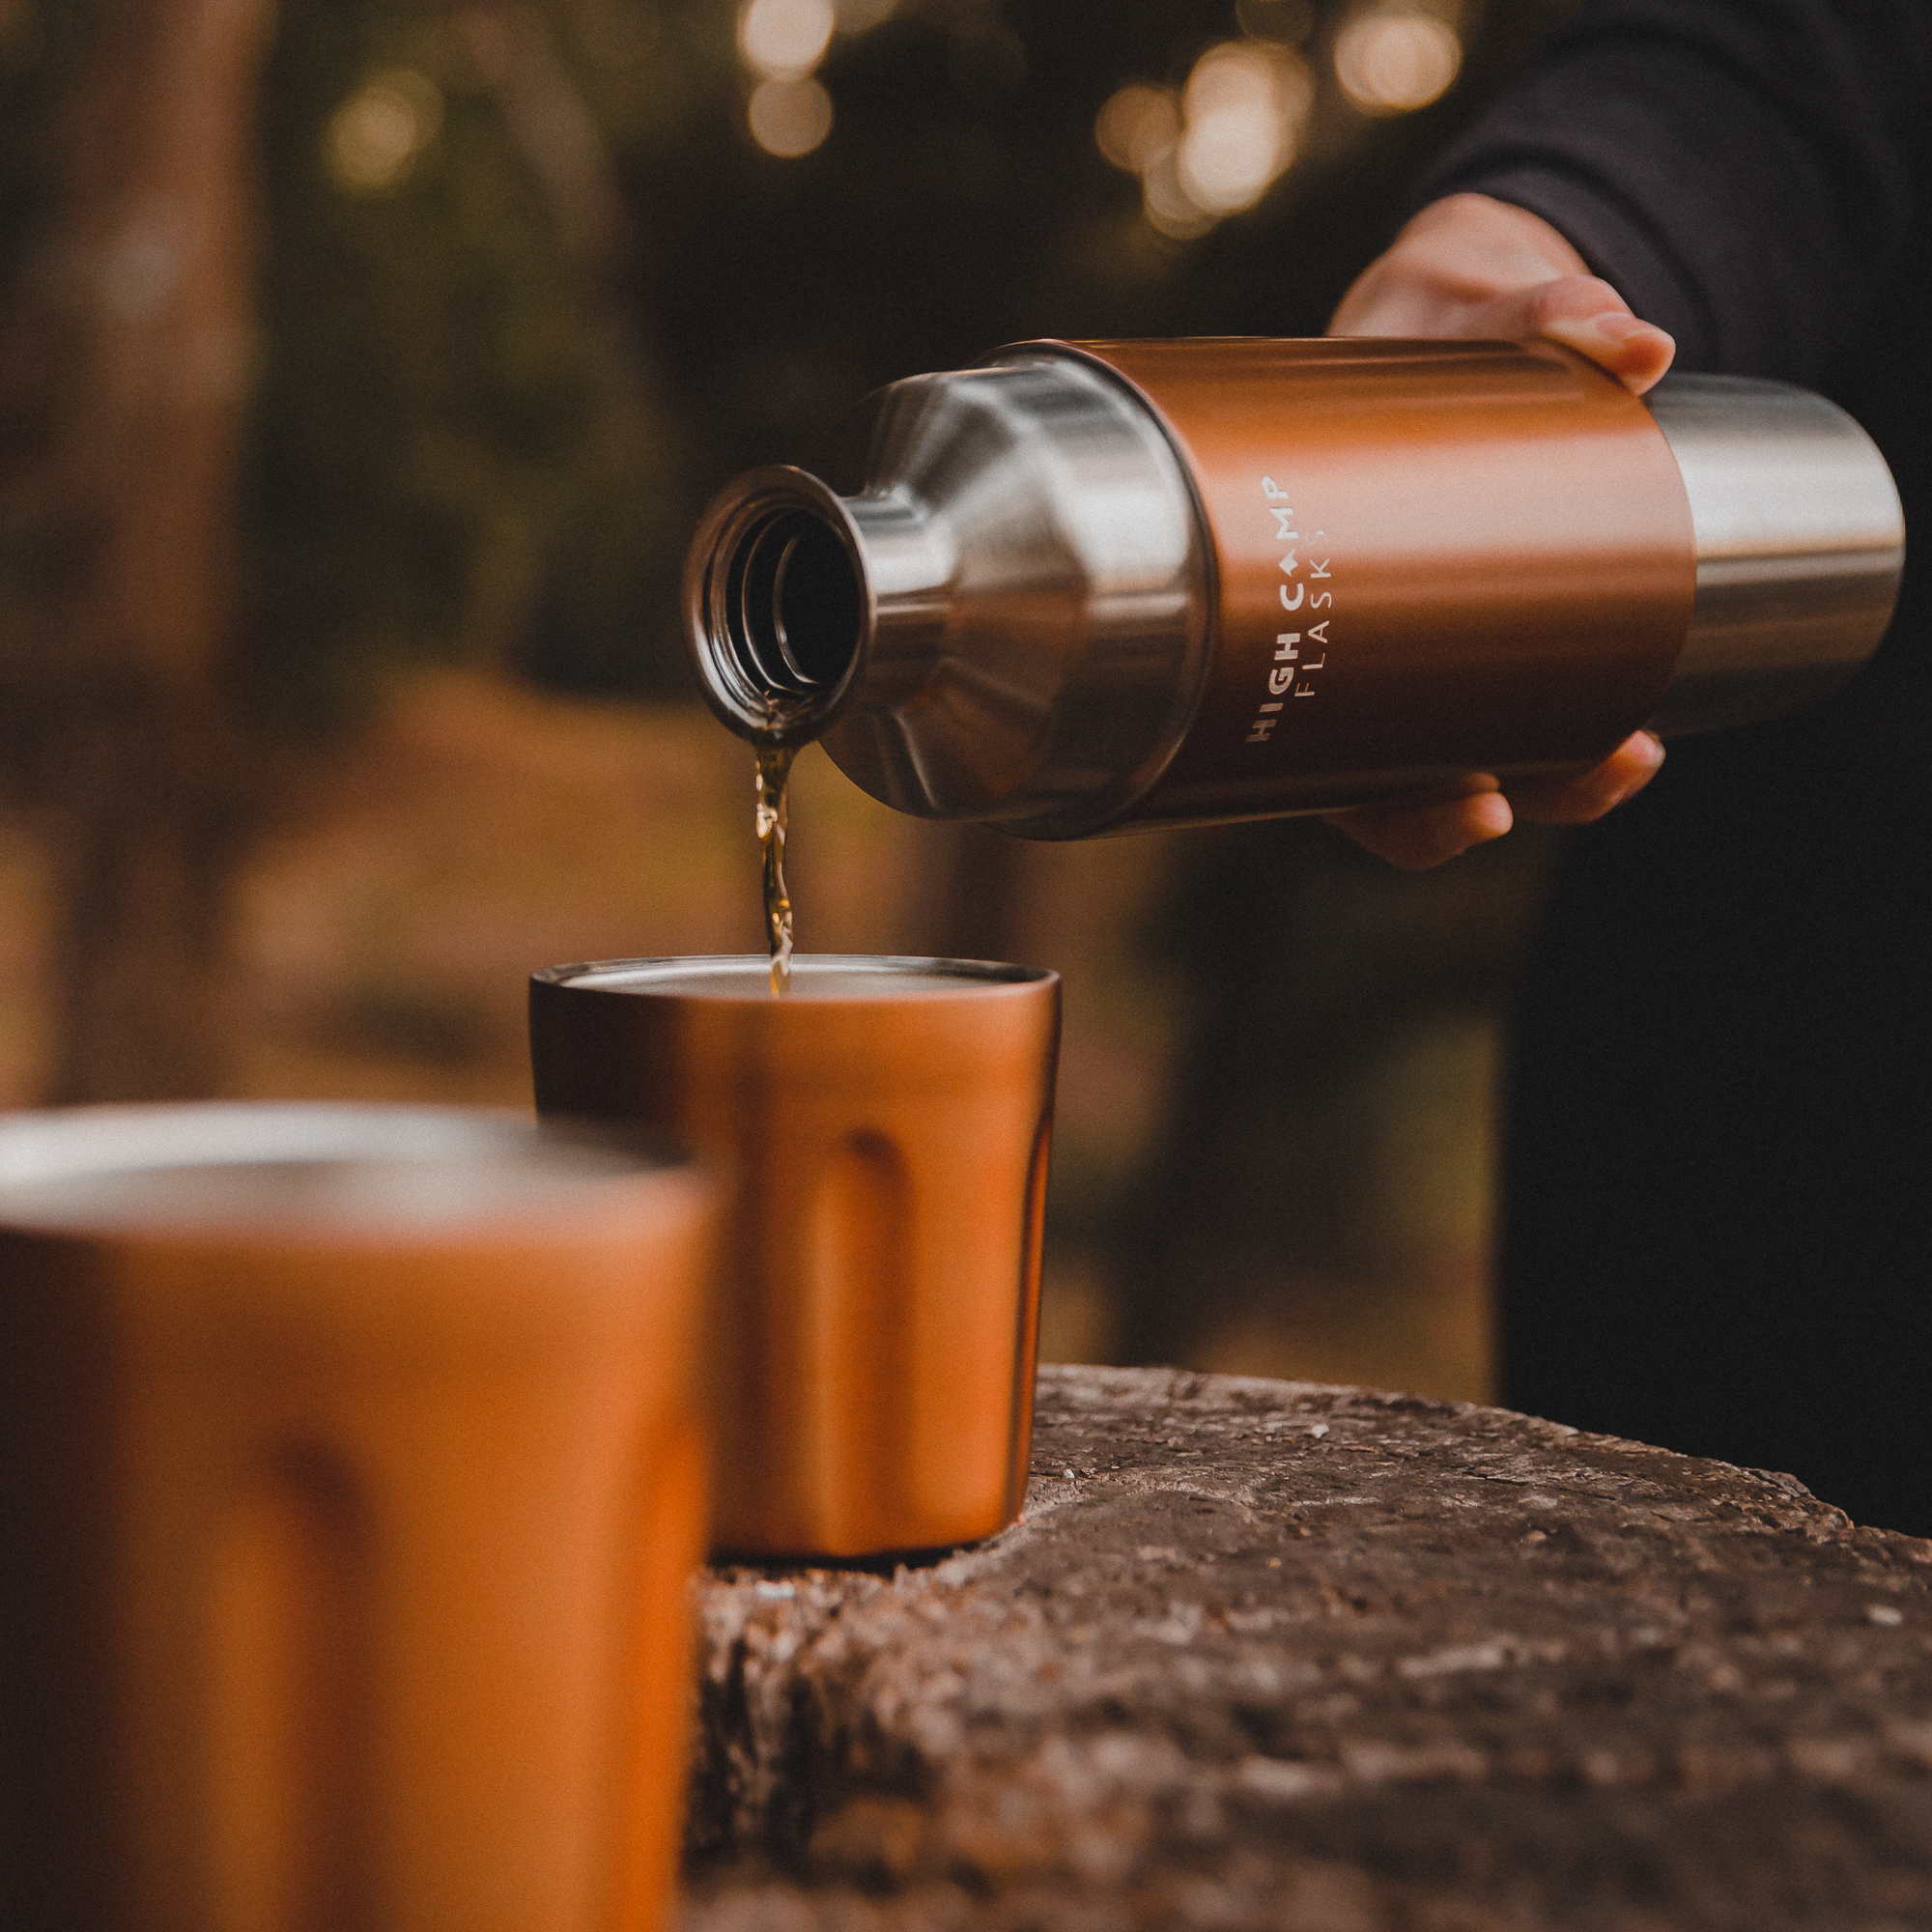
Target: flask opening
{"x": 778, "y": 607}
{"x": 794, "y": 605}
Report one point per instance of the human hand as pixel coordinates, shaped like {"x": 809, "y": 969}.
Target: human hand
{"x": 1472, "y": 267}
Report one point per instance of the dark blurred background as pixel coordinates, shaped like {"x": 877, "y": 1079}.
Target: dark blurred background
{"x": 363, "y": 367}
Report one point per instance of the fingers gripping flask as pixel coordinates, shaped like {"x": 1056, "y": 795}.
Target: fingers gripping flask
{"x": 1090, "y": 588}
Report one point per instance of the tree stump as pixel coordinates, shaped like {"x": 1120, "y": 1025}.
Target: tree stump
{"x": 1321, "y": 1660}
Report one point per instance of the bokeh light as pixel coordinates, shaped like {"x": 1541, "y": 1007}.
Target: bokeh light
{"x": 374, "y": 140}
{"x": 1214, "y": 149}
{"x": 1237, "y": 135}
{"x": 789, "y": 118}
{"x": 1138, "y": 126}
{"x": 1168, "y": 207}
{"x": 785, "y": 40}
{"x": 1393, "y": 59}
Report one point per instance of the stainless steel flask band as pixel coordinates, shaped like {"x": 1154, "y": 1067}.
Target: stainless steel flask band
{"x": 1801, "y": 545}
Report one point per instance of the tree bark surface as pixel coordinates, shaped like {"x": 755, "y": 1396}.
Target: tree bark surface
{"x": 1271, "y": 1655}
{"x": 125, "y": 360}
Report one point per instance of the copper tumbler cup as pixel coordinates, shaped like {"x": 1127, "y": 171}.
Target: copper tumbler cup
{"x": 885, "y": 1125}
{"x": 351, "y": 1474}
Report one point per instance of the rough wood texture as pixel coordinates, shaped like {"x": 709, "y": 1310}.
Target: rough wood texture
{"x": 1267, "y": 1654}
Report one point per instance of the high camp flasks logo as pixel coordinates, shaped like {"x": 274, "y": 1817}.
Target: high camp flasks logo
{"x": 1299, "y": 656}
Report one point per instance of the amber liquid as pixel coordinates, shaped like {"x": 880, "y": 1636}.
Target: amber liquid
{"x": 774, "y": 774}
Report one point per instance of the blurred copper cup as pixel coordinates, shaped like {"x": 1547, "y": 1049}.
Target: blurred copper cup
{"x": 352, "y": 1472}
{"x": 886, "y": 1127}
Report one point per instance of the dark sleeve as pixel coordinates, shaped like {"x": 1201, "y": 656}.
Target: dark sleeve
{"x": 1744, "y": 172}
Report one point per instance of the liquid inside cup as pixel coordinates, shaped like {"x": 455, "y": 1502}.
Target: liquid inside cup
{"x": 321, "y": 1166}
{"x": 829, "y": 976}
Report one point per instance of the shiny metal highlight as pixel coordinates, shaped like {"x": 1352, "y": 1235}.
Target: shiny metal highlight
{"x": 1032, "y": 626}
{"x": 1801, "y": 545}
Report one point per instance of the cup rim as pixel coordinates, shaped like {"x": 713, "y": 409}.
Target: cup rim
{"x": 643, "y": 977}
{"x": 428, "y": 1168}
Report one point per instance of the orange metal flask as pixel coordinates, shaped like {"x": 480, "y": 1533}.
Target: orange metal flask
{"x": 1094, "y": 586}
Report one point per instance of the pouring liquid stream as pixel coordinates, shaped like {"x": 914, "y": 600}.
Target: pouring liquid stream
{"x": 774, "y": 774}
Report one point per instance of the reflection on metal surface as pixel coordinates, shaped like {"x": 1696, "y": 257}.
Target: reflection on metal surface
{"x": 289, "y": 1728}
{"x": 1801, "y": 543}
{"x": 857, "y": 1433}
{"x": 1029, "y": 629}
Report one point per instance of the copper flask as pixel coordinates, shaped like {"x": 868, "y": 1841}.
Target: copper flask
{"x": 1090, "y": 588}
